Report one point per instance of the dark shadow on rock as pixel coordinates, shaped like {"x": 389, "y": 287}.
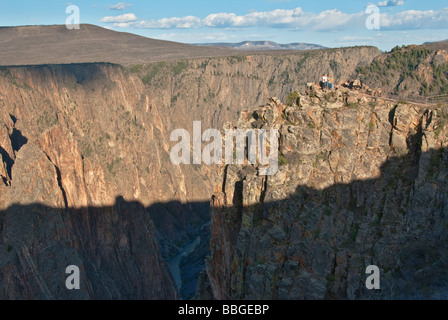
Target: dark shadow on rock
{"x": 9, "y": 162}
{"x": 83, "y": 73}
{"x": 13, "y": 118}
{"x": 17, "y": 140}
{"x": 318, "y": 233}
{"x": 115, "y": 248}
{"x": 316, "y": 244}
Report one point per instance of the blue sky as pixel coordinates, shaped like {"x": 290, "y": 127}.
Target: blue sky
{"x": 329, "y": 23}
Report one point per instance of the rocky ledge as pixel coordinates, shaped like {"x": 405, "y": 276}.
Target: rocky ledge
{"x": 362, "y": 181}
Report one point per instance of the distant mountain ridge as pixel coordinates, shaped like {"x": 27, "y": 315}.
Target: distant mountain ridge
{"x": 436, "y": 42}
{"x": 264, "y": 45}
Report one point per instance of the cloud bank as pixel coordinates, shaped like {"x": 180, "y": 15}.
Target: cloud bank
{"x": 124, "y": 18}
{"x": 293, "y": 19}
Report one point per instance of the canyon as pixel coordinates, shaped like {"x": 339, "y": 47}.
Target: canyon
{"x": 362, "y": 182}
{"x": 87, "y": 180}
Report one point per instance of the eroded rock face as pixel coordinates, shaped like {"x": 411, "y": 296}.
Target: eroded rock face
{"x": 115, "y": 247}
{"x": 35, "y": 180}
{"x": 362, "y": 182}
{"x": 63, "y": 152}
{"x": 75, "y": 138}
{"x": 60, "y": 194}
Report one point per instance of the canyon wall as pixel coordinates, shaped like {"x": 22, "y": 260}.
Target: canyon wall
{"x": 362, "y": 181}
{"x": 85, "y": 162}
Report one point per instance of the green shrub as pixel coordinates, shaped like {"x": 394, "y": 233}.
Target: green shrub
{"x": 373, "y": 103}
{"x": 439, "y": 128}
{"x": 282, "y": 161}
{"x": 151, "y": 75}
{"x": 47, "y": 120}
{"x": 323, "y": 156}
{"x": 136, "y": 68}
{"x": 353, "y": 104}
{"x": 292, "y": 98}
{"x": 180, "y": 67}
{"x": 174, "y": 98}
{"x": 236, "y": 59}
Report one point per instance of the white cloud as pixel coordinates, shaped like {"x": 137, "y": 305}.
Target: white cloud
{"x": 293, "y": 19}
{"x": 188, "y": 22}
{"x": 124, "y": 18}
{"x": 120, "y": 6}
{"x": 391, "y": 3}
{"x": 415, "y": 19}
{"x": 297, "y": 19}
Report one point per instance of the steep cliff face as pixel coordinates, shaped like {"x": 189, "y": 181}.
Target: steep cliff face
{"x": 362, "y": 182}
{"x": 97, "y": 127}
{"x": 115, "y": 247}
{"x": 75, "y": 138}
{"x": 67, "y": 166}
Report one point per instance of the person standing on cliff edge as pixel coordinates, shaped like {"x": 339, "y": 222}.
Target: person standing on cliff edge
{"x": 330, "y": 82}
{"x": 325, "y": 81}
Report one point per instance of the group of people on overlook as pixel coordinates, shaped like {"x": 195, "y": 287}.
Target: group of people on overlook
{"x": 327, "y": 82}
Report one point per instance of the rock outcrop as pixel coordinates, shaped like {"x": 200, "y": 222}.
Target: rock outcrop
{"x": 362, "y": 181}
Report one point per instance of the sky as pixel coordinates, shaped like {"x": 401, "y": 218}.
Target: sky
{"x": 329, "y": 23}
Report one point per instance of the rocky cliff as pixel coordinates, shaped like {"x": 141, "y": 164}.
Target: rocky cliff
{"x": 362, "y": 182}
{"x": 85, "y": 168}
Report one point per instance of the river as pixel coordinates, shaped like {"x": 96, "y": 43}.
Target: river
{"x": 174, "y": 263}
